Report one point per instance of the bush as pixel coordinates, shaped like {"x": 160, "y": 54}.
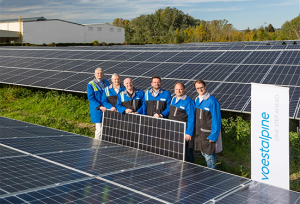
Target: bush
{"x": 95, "y": 43}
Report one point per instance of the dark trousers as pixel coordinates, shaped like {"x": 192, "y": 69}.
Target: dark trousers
{"x": 189, "y": 155}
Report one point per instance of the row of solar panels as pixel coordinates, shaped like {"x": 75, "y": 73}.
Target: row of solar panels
{"x": 44, "y": 165}
{"x": 183, "y": 47}
{"x": 229, "y": 73}
{"x": 278, "y": 57}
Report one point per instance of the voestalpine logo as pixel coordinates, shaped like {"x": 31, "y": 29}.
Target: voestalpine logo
{"x": 270, "y": 135}
{"x": 265, "y": 145}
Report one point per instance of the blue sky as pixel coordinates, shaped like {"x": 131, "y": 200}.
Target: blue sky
{"x": 240, "y": 13}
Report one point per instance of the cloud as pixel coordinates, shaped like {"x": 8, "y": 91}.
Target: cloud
{"x": 215, "y": 9}
{"x": 282, "y": 4}
{"x": 85, "y": 11}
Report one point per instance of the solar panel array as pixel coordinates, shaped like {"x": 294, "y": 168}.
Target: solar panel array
{"x": 44, "y": 165}
{"x": 228, "y": 68}
{"x": 160, "y": 136}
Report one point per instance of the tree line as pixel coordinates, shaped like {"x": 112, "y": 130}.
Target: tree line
{"x": 170, "y": 25}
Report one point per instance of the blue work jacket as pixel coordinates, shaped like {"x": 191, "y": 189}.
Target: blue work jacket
{"x": 125, "y": 102}
{"x": 184, "y": 110}
{"x": 159, "y": 104}
{"x": 94, "y": 93}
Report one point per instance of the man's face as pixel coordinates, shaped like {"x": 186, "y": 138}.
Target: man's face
{"x": 156, "y": 83}
{"x": 128, "y": 84}
{"x": 99, "y": 74}
{"x": 201, "y": 89}
{"x": 116, "y": 80}
{"x": 179, "y": 90}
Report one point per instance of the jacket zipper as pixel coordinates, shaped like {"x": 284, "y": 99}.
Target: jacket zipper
{"x": 175, "y": 112}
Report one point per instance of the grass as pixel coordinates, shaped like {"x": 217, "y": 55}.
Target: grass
{"x": 70, "y": 112}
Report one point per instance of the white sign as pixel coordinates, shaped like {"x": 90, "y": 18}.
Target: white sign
{"x": 270, "y": 135}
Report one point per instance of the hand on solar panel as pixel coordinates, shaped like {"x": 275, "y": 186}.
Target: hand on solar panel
{"x": 128, "y": 111}
{"x": 156, "y": 115}
{"x": 103, "y": 109}
{"x": 188, "y": 138}
{"x": 113, "y": 109}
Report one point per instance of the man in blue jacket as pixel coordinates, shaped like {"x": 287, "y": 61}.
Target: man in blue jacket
{"x": 156, "y": 101}
{"x": 208, "y": 138}
{"x": 130, "y": 100}
{"x": 110, "y": 95}
{"x": 94, "y": 92}
{"x": 182, "y": 108}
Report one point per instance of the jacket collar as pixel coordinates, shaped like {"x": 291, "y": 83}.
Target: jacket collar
{"x": 160, "y": 90}
{"x": 134, "y": 90}
{"x": 182, "y": 97}
{"x": 206, "y": 96}
{"x": 112, "y": 86}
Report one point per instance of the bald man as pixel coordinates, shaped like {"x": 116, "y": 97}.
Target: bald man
{"x": 130, "y": 100}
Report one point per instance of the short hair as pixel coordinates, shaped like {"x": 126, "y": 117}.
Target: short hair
{"x": 100, "y": 69}
{"x": 155, "y": 77}
{"x": 199, "y": 81}
{"x": 182, "y": 85}
{"x": 127, "y": 78}
{"x": 115, "y": 74}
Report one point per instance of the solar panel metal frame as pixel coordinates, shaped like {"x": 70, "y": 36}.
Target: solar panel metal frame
{"x": 166, "y": 134}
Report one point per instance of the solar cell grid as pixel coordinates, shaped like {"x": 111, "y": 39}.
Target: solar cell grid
{"x": 139, "y": 68}
{"x": 166, "y": 181}
{"x": 163, "y": 70}
{"x": 159, "y": 136}
{"x": 187, "y": 71}
{"x": 126, "y": 56}
{"x": 7, "y": 122}
{"x": 294, "y": 101}
{"x": 261, "y": 193}
{"x": 109, "y": 56}
{"x": 216, "y": 72}
{"x": 23, "y": 173}
{"x": 232, "y": 57}
{"x": 98, "y": 191}
{"x": 233, "y": 96}
{"x": 206, "y": 57}
{"x": 39, "y": 145}
{"x": 162, "y": 57}
{"x": 141, "y": 83}
{"x": 144, "y": 56}
{"x": 284, "y": 75}
{"x": 6, "y": 152}
{"x": 248, "y": 73}
{"x": 262, "y": 57}
{"x": 80, "y": 86}
{"x": 183, "y": 57}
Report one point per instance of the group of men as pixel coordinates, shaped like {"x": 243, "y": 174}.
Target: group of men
{"x": 202, "y": 115}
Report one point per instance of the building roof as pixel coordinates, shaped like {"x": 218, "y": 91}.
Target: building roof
{"x": 24, "y": 19}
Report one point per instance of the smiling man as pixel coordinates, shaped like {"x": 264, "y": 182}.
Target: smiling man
{"x": 94, "y": 92}
{"x": 182, "y": 108}
{"x": 208, "y": 124}
{"x": 156, "y": 101}
{"x": 110, "y": 95}
{"x": 130, "y": 100}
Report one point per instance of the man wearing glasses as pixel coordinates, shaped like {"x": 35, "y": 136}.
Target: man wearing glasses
{"x": 208, "y": 124}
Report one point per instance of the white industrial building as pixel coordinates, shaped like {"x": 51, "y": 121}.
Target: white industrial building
{"x": 41, "y": 30}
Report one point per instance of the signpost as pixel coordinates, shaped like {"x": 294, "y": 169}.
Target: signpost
{"x": 270, "y": 134}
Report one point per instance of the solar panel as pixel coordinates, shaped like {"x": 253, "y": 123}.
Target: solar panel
{"x": 238, "y": 62}
{"x": 160, "y": 136}
{"x": 261, "y": 193}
